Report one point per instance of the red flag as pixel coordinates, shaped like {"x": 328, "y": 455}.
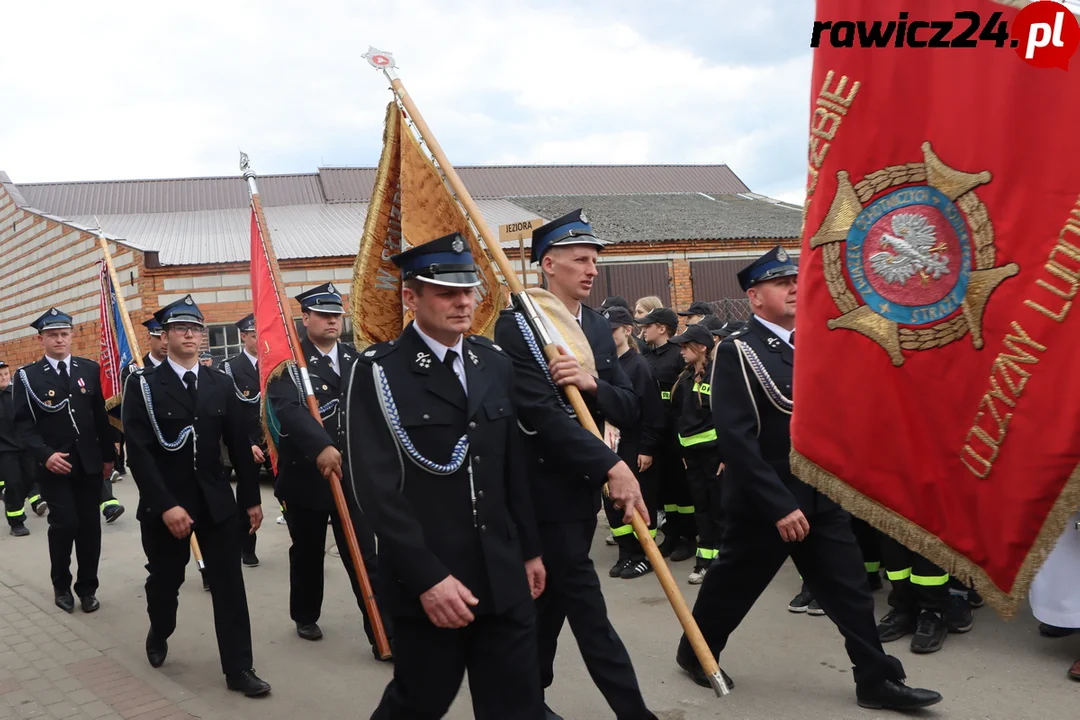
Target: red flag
{"x": 113, "y": 357}
{"x": 934, "y": 392}
{"x": 270, "y": 319}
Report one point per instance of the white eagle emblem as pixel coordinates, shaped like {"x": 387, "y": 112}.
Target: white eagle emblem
{"x": 916, "y": 251}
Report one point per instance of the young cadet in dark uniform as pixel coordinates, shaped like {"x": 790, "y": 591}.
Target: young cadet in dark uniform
{"x": 307, "y": 453}
{"x": 770, "y": 513}
{"x": 243, "y": 369}
{"x": 176, "y": 416}
{"x": 16, "y": 467}
{"x": 568, "y": 465}
{"x": 697, "y": 312}
{"x": 637, "y": 445}
{"x": 61, "y": 420}
{"x": 620, "y": 301}
{"x": 665, "y": 358}
{"x": 438, "y": 469}
{"x": 691, "y": 402}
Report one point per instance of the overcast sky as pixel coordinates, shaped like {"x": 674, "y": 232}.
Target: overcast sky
{"x": 119, "y": 89}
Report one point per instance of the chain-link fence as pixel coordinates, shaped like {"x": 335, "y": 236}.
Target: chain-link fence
{"x": 732, "y": 309}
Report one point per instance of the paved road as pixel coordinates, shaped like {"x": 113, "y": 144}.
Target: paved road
{"x": 784, "y": 665}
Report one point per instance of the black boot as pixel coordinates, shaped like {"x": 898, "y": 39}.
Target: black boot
{"x": 894, "y": 695}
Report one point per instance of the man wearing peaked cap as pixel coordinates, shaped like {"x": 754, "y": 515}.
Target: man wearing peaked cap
{"x": 243, "y": 370}
{"x": 770, "y": 514}
{"x": 176, "y": 416}
{"x": 61, "y": 418}
{"x": 441, "y": 475}
{"x": 568, "y": 465}
{"x": 157, "y": 353}
{"x": 308, "y": 452}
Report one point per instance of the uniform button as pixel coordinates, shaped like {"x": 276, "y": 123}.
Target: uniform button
{"x": 586, "y": 478}
{"x": 426, "y": 416}
{"x": 476, "y": 459}
{"x": 540, "y": 460}
{"x": 472, "y": 426}
{"x": 480, "y": 495}
{"x": 483, "y": 528}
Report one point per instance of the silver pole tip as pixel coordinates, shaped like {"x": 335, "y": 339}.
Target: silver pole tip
{"x": 718, "y": 685}
{"x": 245, "y": 165}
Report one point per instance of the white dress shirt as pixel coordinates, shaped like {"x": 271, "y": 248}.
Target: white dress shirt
{"x": 56, "y": 364}
{"x": 154, "y": 362}
{"x": 255, "y": 361}
{"x": 778, "y": 331}
{"x": 333, "y": 355}
{"x": 439, "y": 350}
{"x": 180, "y": 370}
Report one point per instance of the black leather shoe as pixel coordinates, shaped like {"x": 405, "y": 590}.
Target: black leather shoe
{"x": 311, "y": 631}
{"x": 89, "y": 603}
{"x": 112, "y": 513}
{"x": 550, "y": 714}
{"x": 157, "y": 649}
{"x": 19, "y": 531}
{"x": 689, "y": 663}
{"x": 65, "y": 601}
{"x": 249, "y": 559}
{"x": 895, "y": 695}
{"x": 248, "y": 683}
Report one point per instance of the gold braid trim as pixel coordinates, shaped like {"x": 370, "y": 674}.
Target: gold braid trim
{"x": 834, "y": 277}
{"x": 264, "y": 399}
{"x": 925, "y": 543}
{"x": 887, "y": 177}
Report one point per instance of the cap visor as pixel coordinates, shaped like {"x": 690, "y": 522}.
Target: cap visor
{"x": 680, "y": 340}
{"x": 579, "y": 240}
{"x": 458, "y": 280}
{"x": 328, "y": 309}
{"x": 188, "y": 319}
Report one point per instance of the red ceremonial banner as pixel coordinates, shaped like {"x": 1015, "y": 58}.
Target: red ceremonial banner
{"x": 940, "y": 262}
{"x": 270, "y": 318}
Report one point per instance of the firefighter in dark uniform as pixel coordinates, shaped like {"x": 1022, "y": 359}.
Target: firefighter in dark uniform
{"x": 568, "y": 465}
{"x": 243, "y": 369}
{"x": 176, "y": 416}
{"x": 17, "y": 472}
{"x": 158, "y": 352}
{"x": 691, "y": 409}
{"x": 770, "y": 513}
{"x": 153, "y": 358}
{"x": 637, "y": 445}
{"x": 61, "y": 420}
{"x": 665, "y": 358}
{"x": 441, "y": 476}
{"x": 307, "y": 454}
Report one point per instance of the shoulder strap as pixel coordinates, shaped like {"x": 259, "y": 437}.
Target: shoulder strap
{"x": 747, "y": 356}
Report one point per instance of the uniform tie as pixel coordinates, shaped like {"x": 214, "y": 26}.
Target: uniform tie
{"x": 791, "y": 338}
{"x": 191, "y": 380}
{"x": 62, "y": 370}
{"x": 448, "y": 360}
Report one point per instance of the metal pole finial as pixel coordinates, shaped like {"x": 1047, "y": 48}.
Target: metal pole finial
{"x": 381, "y": 60}
{"x": 245, "y": 165}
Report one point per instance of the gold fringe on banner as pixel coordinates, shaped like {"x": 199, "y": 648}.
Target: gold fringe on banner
{"x": 264, "y": 407}
{"x": 925, "y": 543}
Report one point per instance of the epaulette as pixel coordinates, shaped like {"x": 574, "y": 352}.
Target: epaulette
{"x": 143, "y": 371}
{"x": 484, "y": 342}
{"x": 218, "y": 370}
{"x": 378, "y": 351}
{"x": 738, "y": 333}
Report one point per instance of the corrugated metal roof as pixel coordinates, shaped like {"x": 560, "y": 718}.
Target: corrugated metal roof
{"x": 692, "y": 216}
{"x": 298, "y": 231}
{"x": 176, "y": 195}
{"x": 354, "y": 184}
{"x": 351, "y": 185}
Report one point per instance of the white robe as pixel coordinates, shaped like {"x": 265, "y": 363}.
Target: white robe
{"x": 1055, "y": 592}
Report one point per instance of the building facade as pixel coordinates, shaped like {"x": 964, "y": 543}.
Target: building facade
{"x": 679, "y": 232}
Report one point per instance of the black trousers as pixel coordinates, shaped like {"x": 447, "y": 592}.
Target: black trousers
{"x": 498, "y": 652}
{"x": 624, "y": 534}
{"x": 751, "y": 553}
{"x": 573, "y": 593}
{"x": 18, "y": 471}
{"x": 676, "y": 499}
{"x": 917, "y": 583}
{"x": 166, "y": 559}
{"x": 73, "y": 521}
{"x": 307, "y": 528}
{"x": 243, "y": 522}
{"x": 869, "y": 541}
{"x": 702, "y": 462}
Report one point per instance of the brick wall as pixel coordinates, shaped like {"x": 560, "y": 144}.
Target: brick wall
{"x": 50, "y": 264}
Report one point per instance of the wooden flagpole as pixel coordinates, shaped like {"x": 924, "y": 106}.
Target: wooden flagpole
{"x": 133, "y": 343}
{"x": 382, "y": 644}
{"x": 384, "y": 61}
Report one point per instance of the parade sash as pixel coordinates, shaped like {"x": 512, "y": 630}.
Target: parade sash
{"x": 934, "y": 390}
{"x": 410, "y": 205}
